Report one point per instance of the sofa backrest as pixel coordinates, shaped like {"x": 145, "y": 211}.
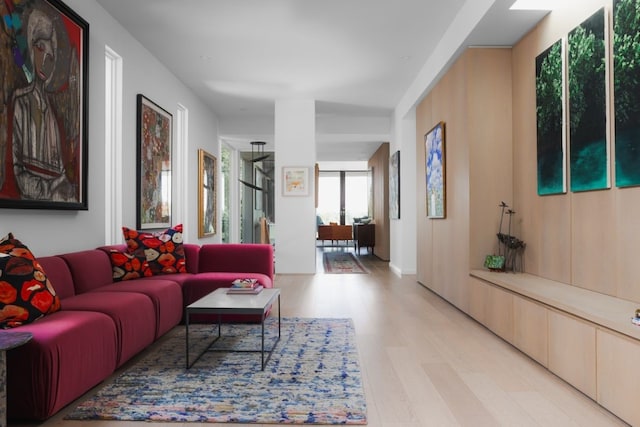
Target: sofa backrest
{"x": 236, "y": 258}
{"x": 90, "y": 269}
{"x": 59, "y": 275}
{"x": 192, "y": 257}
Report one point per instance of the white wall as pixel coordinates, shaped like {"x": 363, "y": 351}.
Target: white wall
{"x": 403, "y": 236}
{"x": 49, "y": 232}
{"x": 295, "y": 216}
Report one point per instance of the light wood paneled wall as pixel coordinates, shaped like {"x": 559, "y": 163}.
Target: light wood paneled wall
{"x": 473, "y": 99}
{"x": 583, "y": 239}
{"x": 379, "y": 162}
{"x": 487, "y": 101}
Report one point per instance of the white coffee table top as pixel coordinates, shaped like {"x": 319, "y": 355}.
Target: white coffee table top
{"x": 220, "y": 300}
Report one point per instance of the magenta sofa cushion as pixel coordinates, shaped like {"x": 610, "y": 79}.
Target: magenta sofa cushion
{"x": 71, "y": 352}
{"x": 59, "y": 275}
{"x": 166, "y": 296}
{"x": 133, "y": 314}
{"x": 90, "y": 269}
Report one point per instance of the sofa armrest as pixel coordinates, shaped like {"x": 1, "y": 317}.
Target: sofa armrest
{"x": 237, "y": 258}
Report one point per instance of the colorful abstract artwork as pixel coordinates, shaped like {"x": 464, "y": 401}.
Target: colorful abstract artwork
{"x": 43, "y": 115}
{"x": 589, "y": 148}
{"x": 550, "y": 139}
{"x": 154, "y": 165}
{"x": 626, "y": 78}
{"x": 434, "y": 142}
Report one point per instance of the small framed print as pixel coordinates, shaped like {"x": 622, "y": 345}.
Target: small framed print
{"x": 295, "y": 181}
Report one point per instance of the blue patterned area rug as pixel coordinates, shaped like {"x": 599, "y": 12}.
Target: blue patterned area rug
{"x": 313, "y": 377}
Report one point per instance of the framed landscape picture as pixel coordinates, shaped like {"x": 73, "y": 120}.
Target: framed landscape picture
{"x": 154, "y": 135}
{"x": 589, "y": 166}
{"x": 434, "y": 142}
{"x": 207, "y": 186}
{"x": 626, "y": 69}
{"x": 44, "y": 66}
{"x": 550, "y": 123}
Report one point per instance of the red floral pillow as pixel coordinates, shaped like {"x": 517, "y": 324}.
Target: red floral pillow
{"x": 126, "y": 266}
{"x": 26, "y": 294}
{"x": 163, "y": 250}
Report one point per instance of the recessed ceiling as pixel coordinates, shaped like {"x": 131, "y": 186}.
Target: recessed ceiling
{"x": 356, "y": 58}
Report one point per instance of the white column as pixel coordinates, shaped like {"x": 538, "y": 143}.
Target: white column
{"x": 403, "y": 231}
{"x": 295, "y": 222}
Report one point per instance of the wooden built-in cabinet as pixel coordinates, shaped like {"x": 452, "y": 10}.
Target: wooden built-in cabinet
{"x": 572, "y": 351}
{"x": 583, "y": 337}
{"x": 618, "y": 375}
{"x": 530, "y": 324}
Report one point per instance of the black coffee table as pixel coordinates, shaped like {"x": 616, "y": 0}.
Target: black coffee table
{"x": 220, "y": 302}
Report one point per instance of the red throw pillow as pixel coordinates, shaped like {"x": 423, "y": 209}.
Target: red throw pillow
{"x": 163, "y": 250}
{"x": 126, "y": 266}
{"x": 26, "y": 294}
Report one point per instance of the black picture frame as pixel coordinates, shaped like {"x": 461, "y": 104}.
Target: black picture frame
{"x": 154, "y": 133}
{"x": 44, "y": 170}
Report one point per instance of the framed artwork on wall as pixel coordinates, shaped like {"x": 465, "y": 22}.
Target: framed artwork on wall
{"x": 626, "y": 68}
{"x": 295, "y": 181}
{"x": 154, "y": 140}
{"x": 44, "y": 66}
{"x": 207, "y": 189}
{"x": 550, "y": 123}
{"x": 434, "y": 142}
{"x": 394, "y": 185}
{"x": 588, "y": 142}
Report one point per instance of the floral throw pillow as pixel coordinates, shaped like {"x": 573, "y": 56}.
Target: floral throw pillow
{"x": 126, "y": 266}
{"x": 163, "y": 250}
{"x": 26, "y": 294}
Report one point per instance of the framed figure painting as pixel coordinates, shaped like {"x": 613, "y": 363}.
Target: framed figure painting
{"x": 207, "y": 182}
{"x": 154, "y": 134}
{"x": 43, "y": 120}
{"x": 434, "y": 142}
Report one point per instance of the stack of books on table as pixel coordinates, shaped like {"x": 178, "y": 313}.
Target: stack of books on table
{"x": 245, "y": 286}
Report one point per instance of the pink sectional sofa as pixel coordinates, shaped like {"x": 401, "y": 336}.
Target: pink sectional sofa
{"x": 102, "y": 324}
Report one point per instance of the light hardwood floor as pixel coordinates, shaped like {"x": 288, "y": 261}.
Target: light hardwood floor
{"x": 425, "y": 363}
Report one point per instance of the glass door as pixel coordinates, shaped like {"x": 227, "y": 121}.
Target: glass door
{"x": 342, "y": 196}
{"x": 356, "y": 195}
{"x": 328, "y": 210}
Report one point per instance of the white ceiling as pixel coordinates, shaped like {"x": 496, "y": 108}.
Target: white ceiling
{"x": 356, "y": 58}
